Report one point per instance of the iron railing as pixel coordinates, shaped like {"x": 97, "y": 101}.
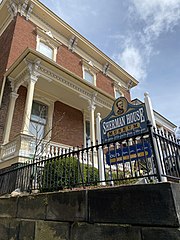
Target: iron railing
{"x": 130, "y": 160}
{"x": 168, "y": 153}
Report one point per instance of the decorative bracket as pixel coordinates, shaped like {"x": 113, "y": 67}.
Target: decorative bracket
{"x": 72, "y": 43}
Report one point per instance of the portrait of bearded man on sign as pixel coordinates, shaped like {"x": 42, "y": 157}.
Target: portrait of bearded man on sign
{"x": 121, "y": 107}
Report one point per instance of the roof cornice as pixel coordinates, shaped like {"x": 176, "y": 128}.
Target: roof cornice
{"x": 83, "y": 42}
{"x": 34, "y": 8}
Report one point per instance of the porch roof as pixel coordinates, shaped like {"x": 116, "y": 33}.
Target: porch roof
{"x": 57, "y": 82}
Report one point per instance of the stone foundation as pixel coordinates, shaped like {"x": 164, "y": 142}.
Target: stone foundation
{"x": 137, "y": 212}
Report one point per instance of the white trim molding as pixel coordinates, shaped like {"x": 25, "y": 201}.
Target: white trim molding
{"x": 118, "y": 89}
{"x": 48, "y": 39}
{"x": 88, "y": 66}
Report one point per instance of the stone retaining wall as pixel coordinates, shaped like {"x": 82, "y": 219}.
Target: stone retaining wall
{"x": 137, "y": 212}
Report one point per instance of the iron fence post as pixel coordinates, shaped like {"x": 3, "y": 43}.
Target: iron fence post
{"x": 157, "y": 159}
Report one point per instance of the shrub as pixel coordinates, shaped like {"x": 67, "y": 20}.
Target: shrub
{"x": 67, "y": 173}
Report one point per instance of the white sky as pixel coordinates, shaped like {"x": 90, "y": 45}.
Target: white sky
{"x": 142, "y": 36}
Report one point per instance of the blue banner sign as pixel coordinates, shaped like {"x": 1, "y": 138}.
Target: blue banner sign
{"x": 125, "y": 120}
{"x": 125, "y": 154}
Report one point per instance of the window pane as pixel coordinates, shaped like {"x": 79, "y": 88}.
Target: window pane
{"x": 37, "y": 129}
{"x": 38, "y": 119}
{"x": 46, "y": 50}
{"x": 117, "y": 94}
{"x": 39, "y": 110}
{"x": 88, "y": 76}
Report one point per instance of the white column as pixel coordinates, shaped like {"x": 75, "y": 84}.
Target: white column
{"x": 149, "y": 109}
{"x": 100, "y": 151}
{"x": 50, "y": 121}
{"x": 29, "y": 101}
{"x": 150, "y": 114}
{"x": 98, "y": 128}
{"x": 92, "y": 108}
{"x": 84, "y": 124}
{"x": 13, "y": 97}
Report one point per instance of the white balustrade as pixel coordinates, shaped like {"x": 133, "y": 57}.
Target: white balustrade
{"x": 25, "y": 147}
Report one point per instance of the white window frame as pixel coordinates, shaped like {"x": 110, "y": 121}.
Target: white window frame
{"x": 47, "y": 45}
{"x": 87, "y": 66}
{"x": 91, "y": 74}
{"x": 47, "y": 38}
{"x": 50, "y": 104}
{"x": 39, "y": 122}
{"x": 117, "y": 90}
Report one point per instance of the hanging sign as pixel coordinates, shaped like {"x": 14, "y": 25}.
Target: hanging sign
{"x": 125, "y": 120}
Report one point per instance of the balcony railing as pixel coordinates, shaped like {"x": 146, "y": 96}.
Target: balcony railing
{"x": 24, "y": 148}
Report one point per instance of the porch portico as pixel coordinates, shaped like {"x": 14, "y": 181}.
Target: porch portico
{"x": 59, "y": 89}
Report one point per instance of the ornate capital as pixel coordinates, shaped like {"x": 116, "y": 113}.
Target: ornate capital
{"x": 32, "y": 70}
{"x": 91, "y": 107}
{"x": 14, "y": 95}
{"x": 92, "y": 102}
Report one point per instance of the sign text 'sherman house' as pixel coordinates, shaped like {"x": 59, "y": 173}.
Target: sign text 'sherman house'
{"x": 53, "y": 81}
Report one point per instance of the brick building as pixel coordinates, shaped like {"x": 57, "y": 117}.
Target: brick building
{"x": 53, "y": 82}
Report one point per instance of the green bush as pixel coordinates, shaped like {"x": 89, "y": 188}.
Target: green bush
{"x": 90, "y": 174}
{"x": 67, "y": 173}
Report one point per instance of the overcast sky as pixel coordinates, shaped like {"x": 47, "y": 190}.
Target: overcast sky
{"x": 142, "y": 36}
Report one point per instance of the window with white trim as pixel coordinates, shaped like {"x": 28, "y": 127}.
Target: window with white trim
{"x": 38, "y": 119}
{"x": 89, "y": 72}
{"x": 118, "y": 94}
{"x": 47, "y": 44}
{"x": 45, "y": 49}
{"x": 88, "y": 76}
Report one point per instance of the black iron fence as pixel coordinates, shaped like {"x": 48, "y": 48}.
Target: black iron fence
{"x": 168, "y": 153}
{"x": 145, "y": 158}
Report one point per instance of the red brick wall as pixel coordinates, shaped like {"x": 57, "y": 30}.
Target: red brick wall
{"x": 69, "y": 60}
{"x": 105, "y": 83}
{"x": 5, "y": 45}
{"x": 127, "y": 95}
{"x": 24, "y": 36}
{"x": 70, "y": 130}
{"x": 18, "y": 112}
{"x": 16, "y": 38}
